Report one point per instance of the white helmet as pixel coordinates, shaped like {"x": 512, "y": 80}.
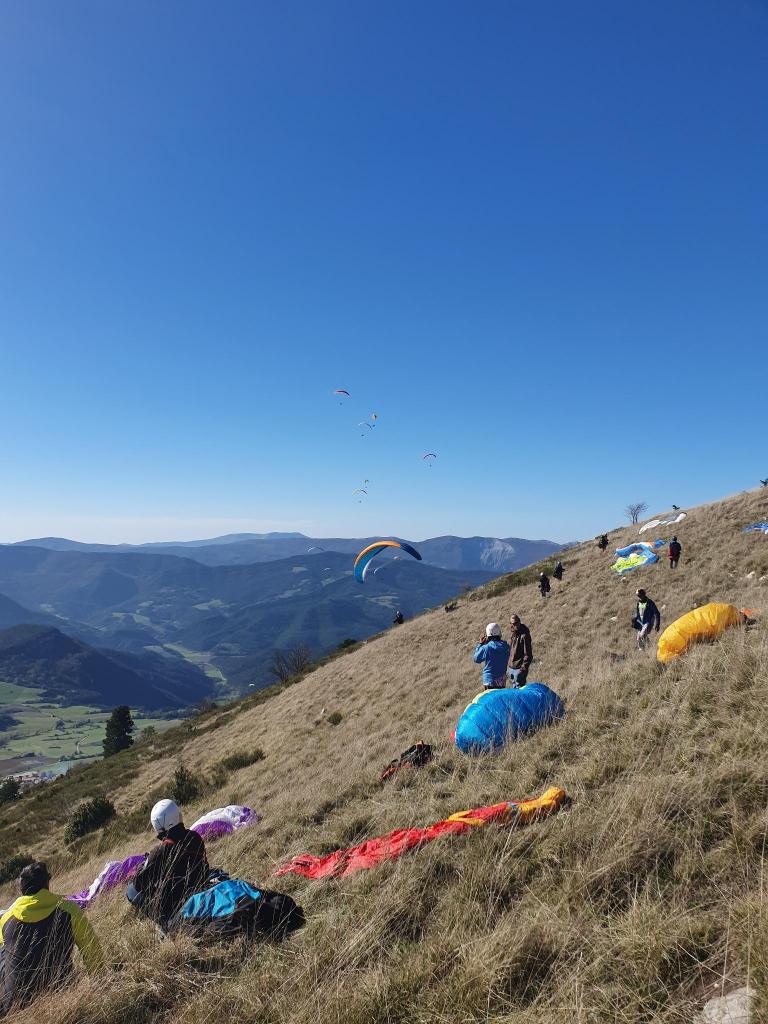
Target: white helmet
{"x": 493, "y": 629}
{"x": 165, "y": 814}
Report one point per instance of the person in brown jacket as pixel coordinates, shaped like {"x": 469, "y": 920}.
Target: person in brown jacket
{"x": 521, "y": 651}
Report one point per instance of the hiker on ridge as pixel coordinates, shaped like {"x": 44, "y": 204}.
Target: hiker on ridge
{"x": 647, "y": 615}
{"x": 558, "y": 571}
{"x": 521, "y": 651}
{"x": 399, "y": 619}
{"x": 602, "y": 541}
{"x": 544, "y": 584}
{"x": 39, "y": 933}
{"x": 493, "y": 654}
{"x": 675, "y": 548}
{"x": 173, "y": 871}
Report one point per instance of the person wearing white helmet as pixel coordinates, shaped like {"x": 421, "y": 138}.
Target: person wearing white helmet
{"x": 493, "y": 654}
{"x": 173, "y": 871}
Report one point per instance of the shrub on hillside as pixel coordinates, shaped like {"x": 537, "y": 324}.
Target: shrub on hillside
{"x": 88, "y": 817}
{"x": 186, "y": 787}
{"x": 241, "y": 759}
{"x": 10, "y": 790}
{"x": 11, "y": 869}
{"x": 335, "y": 717}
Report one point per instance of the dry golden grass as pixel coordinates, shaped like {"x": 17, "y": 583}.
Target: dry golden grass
{"x": 635, "y": 904}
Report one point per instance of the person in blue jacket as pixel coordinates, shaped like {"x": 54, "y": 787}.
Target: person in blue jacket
{"x": 493, "y": 654}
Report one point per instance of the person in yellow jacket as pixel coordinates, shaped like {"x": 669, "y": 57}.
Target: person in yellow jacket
{"x": 38, "y": 935}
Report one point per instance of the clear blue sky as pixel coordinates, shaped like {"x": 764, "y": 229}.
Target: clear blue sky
{"x": 532, "y": 237}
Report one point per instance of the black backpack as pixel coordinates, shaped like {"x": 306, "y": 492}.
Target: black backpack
{"x": 416, "y": 757}
{"x": 234, "y": 907}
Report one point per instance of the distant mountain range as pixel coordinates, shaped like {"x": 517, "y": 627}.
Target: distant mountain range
{"x": 71, "y": 672}
{"x": 231, "y": 601}
{"x": 490, "y": 554}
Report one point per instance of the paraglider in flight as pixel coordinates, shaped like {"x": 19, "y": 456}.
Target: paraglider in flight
{"x": 341, "y": 391}
{"x": 314, "y": 548}
{"x": 427, "y": 456}
{"x": 374, "y": 417}
{"x": 358, "y": 489}
{"x": 363, "y": 560}
{"x": 365, "y": 423}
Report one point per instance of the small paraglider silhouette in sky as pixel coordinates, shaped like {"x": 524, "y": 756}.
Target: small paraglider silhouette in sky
{"x": 427, "y": 457}
{"x": 339, "y": 392}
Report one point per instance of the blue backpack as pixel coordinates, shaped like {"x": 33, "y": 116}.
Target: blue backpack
{"x": 234, "y": 907}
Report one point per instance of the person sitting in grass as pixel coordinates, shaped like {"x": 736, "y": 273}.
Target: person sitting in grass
{"x": 38, "y": 934}
{"x": 493, "y": 654}
{"x": 173, "y": 871}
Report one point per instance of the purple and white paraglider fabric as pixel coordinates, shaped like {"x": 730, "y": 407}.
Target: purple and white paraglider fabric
{"x": 219, "y": 822}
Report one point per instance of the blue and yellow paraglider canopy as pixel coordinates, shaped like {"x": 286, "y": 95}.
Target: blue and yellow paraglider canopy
{"x": 363, "y": 560}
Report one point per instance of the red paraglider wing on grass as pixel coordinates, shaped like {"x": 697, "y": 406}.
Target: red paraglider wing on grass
{"x": 394, "y": 844}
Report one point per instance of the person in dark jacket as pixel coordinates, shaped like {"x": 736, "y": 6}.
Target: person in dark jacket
{"x": 675, "y": 548}
{"x": 558, "y": 571}
{"x": 520, "y": 651}
{"x": 173, "y": 871}
{"x": 602, "y": 541}
{"x": 647, "y": 615}
{"x": 399, "y": 618}
{"x": 544, "y": 584}
{"x": 38, "y": 934}
{"x": 493, "y": 654}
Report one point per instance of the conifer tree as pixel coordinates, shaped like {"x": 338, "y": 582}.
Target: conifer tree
{"x": 119, "y": 728}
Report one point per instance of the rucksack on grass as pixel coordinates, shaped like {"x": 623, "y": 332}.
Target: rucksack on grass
{"x": 235, "y": 907}
{"x": 415, "y": 757}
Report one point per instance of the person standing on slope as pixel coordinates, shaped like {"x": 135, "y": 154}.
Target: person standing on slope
{"x": 38, "y": 934}
{"x": 521, "y": 651}
{"x": 647, "y": 615}
{"x": 544, "y": 584}
{"x": 173, "y": 871}
{"x": 558, "y": 571}
{"x": 493, "y": 654}
{"x": 675, "y": 548}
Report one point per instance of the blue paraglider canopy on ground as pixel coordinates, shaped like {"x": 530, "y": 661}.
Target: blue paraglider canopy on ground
{"x": 763, "y": 527}
{"x": 496, "y": 717}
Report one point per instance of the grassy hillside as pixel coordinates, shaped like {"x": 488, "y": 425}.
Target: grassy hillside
{"x": 634, "y": 905}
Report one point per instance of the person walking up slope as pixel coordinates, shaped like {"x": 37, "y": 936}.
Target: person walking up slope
{"x": 647, "y": 615}
{"x": 675, "y": 548}
{"x": 493, "y": 654}
{"x": 544, "y": 584}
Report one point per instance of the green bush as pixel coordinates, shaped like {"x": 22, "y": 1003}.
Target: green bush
{"x": 335, "y": 717}
{"x": 11, "y": 869}
{"x": 185, "y": 787}
{"x": 9, "y": 790}
{"x": 88, "y": 817}
{"x": 241, "y": 759}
